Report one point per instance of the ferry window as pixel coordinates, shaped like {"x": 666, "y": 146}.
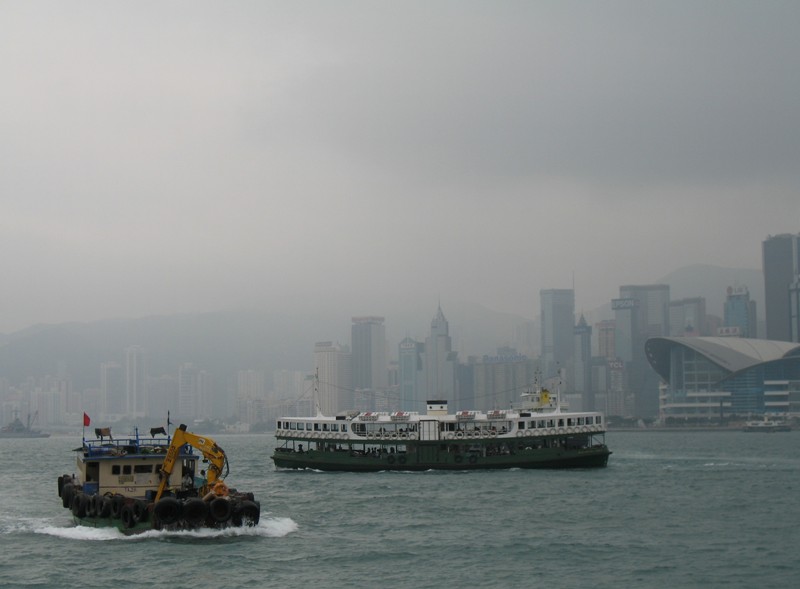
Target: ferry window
{"x": 344, "y": 427}
{"x": 308, "y": 426}
{"x": 334, "y": 427}
{"x": 126, "y": 469}
{"x": 521, "y": 425}
{"x": 292, "y": 425}
{"x": 560, "y": 423}
{"x": 115, "y": 469}
{"x": 542, "y": 423}
{"x": 551, "y": 423}
{"x": 141, "y": 468}
{"x": 316, "y": 427}
{"x": 598, "y": 419}
{"x": 324, "y": 427}
{"x": 569, "y": 421}
{"x": 580, "y": 421}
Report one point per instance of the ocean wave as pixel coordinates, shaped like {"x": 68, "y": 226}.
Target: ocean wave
{"x": 267, "y": 527}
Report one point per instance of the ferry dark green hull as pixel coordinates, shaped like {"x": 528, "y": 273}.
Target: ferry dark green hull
{"x": 437, "y": 456}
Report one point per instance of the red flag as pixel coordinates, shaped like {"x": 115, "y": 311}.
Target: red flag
{"x": 86, "y": 420}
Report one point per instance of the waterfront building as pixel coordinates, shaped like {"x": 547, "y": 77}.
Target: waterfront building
{"x": 557, "y": 308}
{"x": 781, "y": 265}
{"x": 711, "y": 378}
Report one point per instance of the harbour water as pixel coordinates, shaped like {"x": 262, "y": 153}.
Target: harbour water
{"x": 706, "y": 509}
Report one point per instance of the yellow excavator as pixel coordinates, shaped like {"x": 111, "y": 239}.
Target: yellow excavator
{"x": 211, "y": 452}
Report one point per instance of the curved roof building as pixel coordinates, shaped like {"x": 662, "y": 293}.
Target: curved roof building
{"x": 712, "y": 376}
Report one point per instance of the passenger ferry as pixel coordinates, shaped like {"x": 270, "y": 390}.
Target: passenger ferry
{"x": 537, "y": 435}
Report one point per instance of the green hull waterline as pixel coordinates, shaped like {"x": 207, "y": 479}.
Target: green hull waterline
{"x": 432, "y": 457}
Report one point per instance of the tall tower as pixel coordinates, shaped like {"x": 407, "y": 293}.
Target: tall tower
{"x": 370, "y": 369}
{"x": 558, "y": 323}
{"x": 781, "y": 266}
{"x": 135, "y": 381}
{"x": 440, "y": 360}
{"x": 582, "y": 366}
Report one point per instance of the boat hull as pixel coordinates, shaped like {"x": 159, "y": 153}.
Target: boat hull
{"x": 433, "y": 457}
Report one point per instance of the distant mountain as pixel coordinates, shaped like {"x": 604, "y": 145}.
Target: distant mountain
{"x": 225, "y": 342}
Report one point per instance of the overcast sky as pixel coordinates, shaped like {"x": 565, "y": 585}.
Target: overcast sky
{"x": 160, "y": 157}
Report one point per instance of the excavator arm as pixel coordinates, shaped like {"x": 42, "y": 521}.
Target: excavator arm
{"x": 211, "y": 452}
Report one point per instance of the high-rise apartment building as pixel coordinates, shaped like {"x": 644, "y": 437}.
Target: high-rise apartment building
{"x": 781, "y": 266}
{"x": 112, "y": 389}
{"x": 368, "y": 344}
{"x": 135, "y": 381}
{"x": 557, "y": 326}
{"x": 195, "y": 390}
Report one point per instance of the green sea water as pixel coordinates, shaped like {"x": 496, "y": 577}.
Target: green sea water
{"x": 704, "y": 509}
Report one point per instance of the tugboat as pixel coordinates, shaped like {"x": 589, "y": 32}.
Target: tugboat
{"x": 537, "y": 435}
{"x": 17, "y": 429}
{"x": 128, "y": 483}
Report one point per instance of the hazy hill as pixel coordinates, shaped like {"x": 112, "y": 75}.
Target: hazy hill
{"x": 225, "y": 342}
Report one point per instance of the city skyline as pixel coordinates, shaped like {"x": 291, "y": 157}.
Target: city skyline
{"x": 186, "y": 391}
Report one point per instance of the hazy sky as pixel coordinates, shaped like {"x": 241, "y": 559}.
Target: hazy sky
{"x": 158, "y": 157}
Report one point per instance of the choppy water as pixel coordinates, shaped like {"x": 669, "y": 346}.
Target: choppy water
{"x": 671, "y": 510}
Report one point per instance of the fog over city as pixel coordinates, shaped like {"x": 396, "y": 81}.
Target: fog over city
{"x": 356, "y": 157}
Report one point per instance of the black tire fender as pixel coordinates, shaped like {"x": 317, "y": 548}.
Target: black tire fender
{"x": 220, "y": 510}
{"x": 167, "y": 510}
{"x": 195, "y": 510}
{"x": 127, "y": 516}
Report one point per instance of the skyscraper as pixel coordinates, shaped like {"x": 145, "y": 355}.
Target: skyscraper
{"x": 557, "y": 323}
{"x": 368, "y": 344}
{"x": 582, "y": 380}
{"x": 440, "y": 360}
{"x": 410, "y": 375}
{"x": 781, "y": 266}
{"x": 641, "y": 312}
{"x": 333, "y": 363}
{"x": 740, "y": 313}
{"x": 687, "y": 317}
